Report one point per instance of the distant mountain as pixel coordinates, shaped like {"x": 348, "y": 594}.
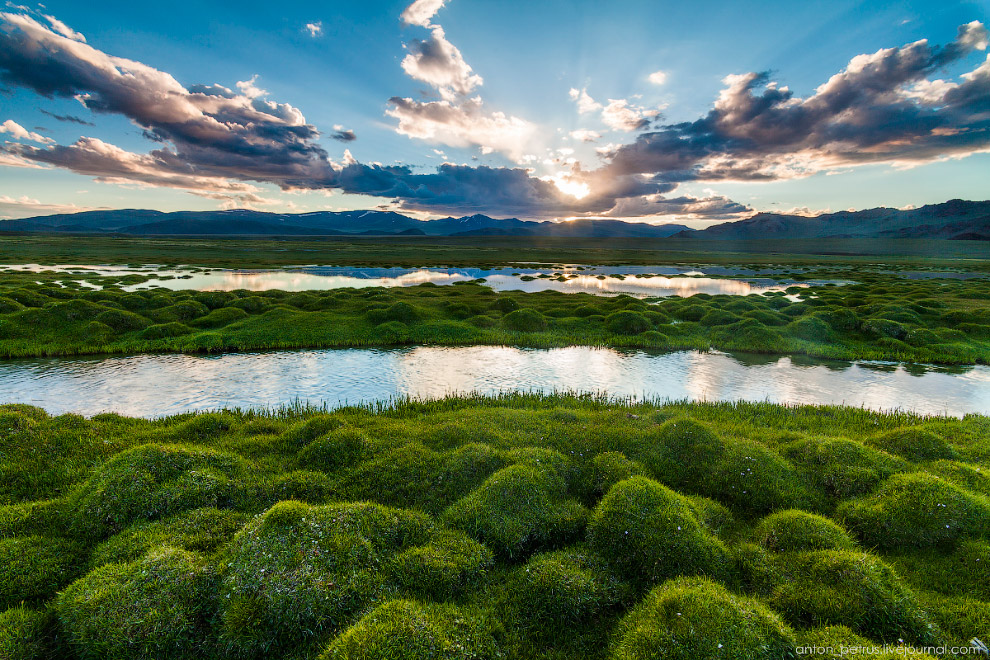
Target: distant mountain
{"x": 322, "y": 223}
{"x": 956, "y": 220}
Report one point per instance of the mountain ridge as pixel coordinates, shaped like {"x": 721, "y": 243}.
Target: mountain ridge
{"x": 955, "y": 219}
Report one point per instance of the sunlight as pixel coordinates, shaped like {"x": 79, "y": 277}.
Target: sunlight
{"x": 576, "y": 189}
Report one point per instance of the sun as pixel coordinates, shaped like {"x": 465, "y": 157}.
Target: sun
{"x": 576, "y": 189}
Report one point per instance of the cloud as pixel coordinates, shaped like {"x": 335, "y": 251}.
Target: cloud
{"x": 64, "y": 29}
{"x": 456, "y": 119}
{"x": 68, "y": 118}
{"x": 658, "y": 77}
{"x": 25, "y": 207}
{"x": 219, "y": 143}
{"x": 585, "y": 135}
{"x": 250, "y": 89}
{"x": 314, "y": 29}
{"x": 241, "y": 200}
{"x": 462, "y": 124}
{"x": 18, "y": 132}
{"x": 585, "y": 103}
{"x": 205, "y": 132}
{"x": 111, "y": 164}
{"x": 619, "y": 115}
{"x": 882, "y": 108}
{"x": 342, "y": 135}
{"x": 686, "y": 207}
{"x": 440, "y": 64}
{"x": 421, "y": 12}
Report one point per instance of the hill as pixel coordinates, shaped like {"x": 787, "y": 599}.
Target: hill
{"x": 323, "y": 223}
{"x": 956, "y": 220}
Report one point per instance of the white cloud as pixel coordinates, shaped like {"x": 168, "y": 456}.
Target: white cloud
{"x": 620, "y": 116}
{"x": 315, "y": 29}
{"x": 250, "y": 89}
{"x": 440, "y": 64}
{"x": 26, "y": 207}
{"x": 658, "y": 77}
{"x": 18, "y": 132}
{"x": 242, "y": 200}
{"x": 463, "y": 124}
{"x": 64, "y": 29}
{"x": 421, "y": 12}
{"x": 930, "y": 92}
{"x": 585, "y": 103}
{"x": 585, "y": 135}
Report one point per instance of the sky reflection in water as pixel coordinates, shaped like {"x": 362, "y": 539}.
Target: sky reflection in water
{"x": 154, "y": 385}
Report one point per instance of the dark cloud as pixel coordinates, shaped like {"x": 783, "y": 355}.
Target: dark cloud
{"x": 881, "y": 108}
{"x": 71, "y": 119}
{"x": 210, "y": 132}
{"x": 343, "y": 136}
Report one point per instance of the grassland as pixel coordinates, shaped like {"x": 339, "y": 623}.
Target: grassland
{"x": 486, "y": 251}
{"x": 517, "y": 527}
{"x": 888, "y": 317}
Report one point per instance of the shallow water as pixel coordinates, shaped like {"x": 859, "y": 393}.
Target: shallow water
{"x": 597, "y": 280}
{"x": 155, "y": 385}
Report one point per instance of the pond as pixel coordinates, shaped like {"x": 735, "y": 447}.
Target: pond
{"x": 156, "y": 385}
{"x": 640, "y": 281}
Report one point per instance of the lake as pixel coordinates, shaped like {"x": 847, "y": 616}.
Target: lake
{"x": 157, "y": 385}
{"x": 639, "y": 281}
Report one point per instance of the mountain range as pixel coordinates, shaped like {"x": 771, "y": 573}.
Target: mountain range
{"x": 955, "y": 219}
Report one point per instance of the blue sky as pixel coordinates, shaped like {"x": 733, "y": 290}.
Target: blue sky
{"x": 538, "y": 110}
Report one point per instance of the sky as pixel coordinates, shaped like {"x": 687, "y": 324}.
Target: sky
{"x": 643, "y": 110}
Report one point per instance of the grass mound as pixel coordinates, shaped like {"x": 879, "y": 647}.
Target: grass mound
{"x": 414, "y": 631}
{"x": 156, "y": 608}
{"x": 841, "y": 468}
{"x": 962, "y": 571}
{"x": 696, "y": 619}
{"x": 741, "y": 473}
{"x": 858, "y": 590}
{"x": 517, "y": 510}
{"x": 649, "y": 533}
{"x": 201, "y": 530}
{"x": 524, "y": 320}
{"x": 794, "y": 531}
{"x": 33, "y": 568}
{"x": 564, "y": 588}
{"x": 915, "y": 444}
{"x": 25, "y": 635}
{"x": 197, "y": 544}
{"x": 149, "y": 482}
{"x": 220, "y": 317}
{"x": 300, "y": 570}
{"x": 415, "y": 476}
{"x": 610, "y": 468}
{"x": 627, "y": 322}
{"x": 444, "y": 568}
{"x": 337, "y": 449}
{"x": 917, "y": 510}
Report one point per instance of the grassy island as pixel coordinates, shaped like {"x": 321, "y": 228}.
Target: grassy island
{"x": 515, "y": 527}
{"x": 886, "y": 317}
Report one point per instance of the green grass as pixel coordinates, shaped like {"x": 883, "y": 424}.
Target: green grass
{"x": 465, "y": 251}
{"x": 884, "y": 317}
{"x": 520, "y": 526}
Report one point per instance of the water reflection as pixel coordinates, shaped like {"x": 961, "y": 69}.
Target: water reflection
{"x": 152, "y": 385}
{"x": 641, "y": 281}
